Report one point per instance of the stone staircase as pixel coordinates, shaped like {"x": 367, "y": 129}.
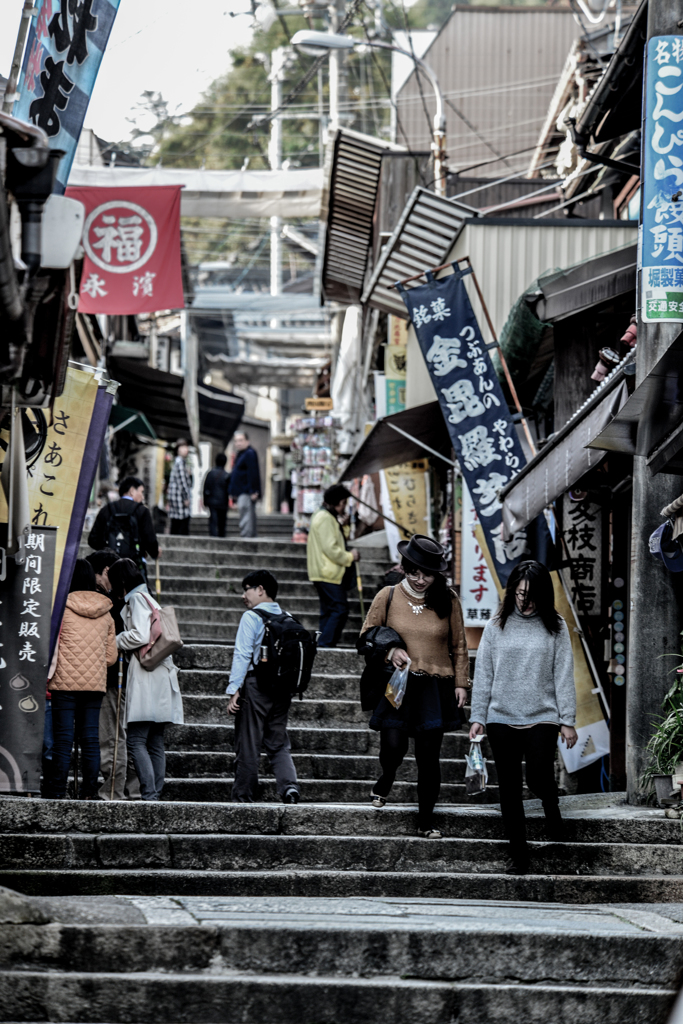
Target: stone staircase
{"x": 202, "y": 578}
{"x": 268, "y": 524}
{"x": 328, "y": 912}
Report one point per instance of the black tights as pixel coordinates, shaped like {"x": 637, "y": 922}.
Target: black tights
{"x": 393, "y": 748}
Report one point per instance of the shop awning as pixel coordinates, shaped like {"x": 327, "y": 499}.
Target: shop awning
{"x": 402, "y": 437}
{"x": 122, "y": 418}
{"x": 651, "y": 422}
{"x": 219, "y": 413}
{"x": 423, "y": 238}
{"x": 564, "y": 460}
{"x": 159, "y": 393}
{"x": 354, "y": 165}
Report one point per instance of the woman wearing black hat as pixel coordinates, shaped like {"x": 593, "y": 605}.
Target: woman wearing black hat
{"x": 427, "y": 615}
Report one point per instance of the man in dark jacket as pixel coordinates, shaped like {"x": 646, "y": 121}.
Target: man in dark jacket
{"x": 126, "y": 784}
{"x": 216, "y": 496}
{"x": 245, "y": 483}
{"x": 125, "y": 526}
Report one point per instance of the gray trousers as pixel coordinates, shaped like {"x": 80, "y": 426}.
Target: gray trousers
{"x": 247, "y": 510}
{"x": 126, "y": 783}
{"x": 261, "y": 721}
{"x": 146, "y": 744}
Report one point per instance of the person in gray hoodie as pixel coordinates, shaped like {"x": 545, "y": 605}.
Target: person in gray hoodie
{"x": 522, "y": 696}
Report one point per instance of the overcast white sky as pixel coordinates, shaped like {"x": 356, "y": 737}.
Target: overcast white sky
{"x": 174, "y": 47}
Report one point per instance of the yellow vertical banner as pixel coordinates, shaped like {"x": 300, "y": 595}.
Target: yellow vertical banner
{"x": 55, "y": 446}
{"x": 408, "y": 492}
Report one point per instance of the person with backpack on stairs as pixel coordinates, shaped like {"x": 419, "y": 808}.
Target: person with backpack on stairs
{"x": 125, "y": 526}
{"x": 272, "y": 661}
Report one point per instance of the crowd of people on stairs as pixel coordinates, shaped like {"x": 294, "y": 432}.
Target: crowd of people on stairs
{"x": 104, "y": 694}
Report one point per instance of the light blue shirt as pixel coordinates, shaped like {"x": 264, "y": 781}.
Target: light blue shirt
{"x": 248, "y": 644}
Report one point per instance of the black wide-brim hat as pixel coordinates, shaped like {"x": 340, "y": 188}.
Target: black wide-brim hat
{"x": 426, "y": 553}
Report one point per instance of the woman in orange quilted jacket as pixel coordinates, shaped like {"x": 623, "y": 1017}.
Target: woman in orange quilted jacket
{"x": 86, "y": 646}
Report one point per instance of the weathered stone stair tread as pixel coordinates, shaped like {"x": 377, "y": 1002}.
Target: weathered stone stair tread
{"x": 188, "y": 764}
{"x": 331, "y": 854}
{"x": 274, "y": 999}
{"x": 31, "y": 816}
{"x": 305, "y": 739}
{"x": 263, "y": 882}
{"x": 318, "y": 791}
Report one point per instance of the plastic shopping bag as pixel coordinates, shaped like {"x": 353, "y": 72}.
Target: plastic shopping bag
{"x": 476, "y": 775}
{"x": 396, "y": 687}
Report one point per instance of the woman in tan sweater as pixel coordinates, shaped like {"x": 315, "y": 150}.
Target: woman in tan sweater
{"x": 86, "y": 646}
{"x": 427, "y": 615}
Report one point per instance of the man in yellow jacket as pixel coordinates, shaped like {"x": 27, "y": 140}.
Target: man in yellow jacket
{"x": 328, "y": 560}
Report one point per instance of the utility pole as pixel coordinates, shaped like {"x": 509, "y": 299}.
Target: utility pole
{"x": 656, "y": 594}
{"x": 337, "y": 60}
{"x": 277, "y": 69}
{"x": 15, "y": 69}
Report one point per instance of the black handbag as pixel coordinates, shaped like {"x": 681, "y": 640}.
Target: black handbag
{"x": 374, "y": 644}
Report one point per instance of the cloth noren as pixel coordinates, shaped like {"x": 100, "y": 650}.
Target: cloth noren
{"x": 524, "y": 675}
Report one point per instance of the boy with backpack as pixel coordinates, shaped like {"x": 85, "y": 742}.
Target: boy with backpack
{"x": 272, "y": 661}
{"x": 125, "y": 526}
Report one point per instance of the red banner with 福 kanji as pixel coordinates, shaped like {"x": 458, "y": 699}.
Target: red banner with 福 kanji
{"x": 131, "y": 240}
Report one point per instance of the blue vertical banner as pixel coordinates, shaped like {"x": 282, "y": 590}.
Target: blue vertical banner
{"x": 473, "y": 405}
{"x": 661, "y": 242}
{"x": 63, "y": 54}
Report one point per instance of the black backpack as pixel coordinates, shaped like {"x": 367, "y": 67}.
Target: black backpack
{"x": 289, "y": 651}
{"x": 123, "y": 535}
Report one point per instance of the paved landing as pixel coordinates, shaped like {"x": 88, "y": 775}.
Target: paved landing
{"x": 371, "y": 913}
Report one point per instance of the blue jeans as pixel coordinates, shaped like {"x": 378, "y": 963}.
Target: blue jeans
{"x": 48, "y": 743}
{"x": 334, "y": 611}
{"x": 75, "y": 713}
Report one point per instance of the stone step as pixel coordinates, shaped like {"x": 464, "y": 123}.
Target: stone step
{"x": 219, "y": 656}
{"x": 332, "y": 854}
{"x": 22, "y": 815}
{"x": 231, "y": 585}
{"x": 360, "y": 939}
{"x": 303, "y": 739}
{"x": 201, "y": 632}
{"x": 159, "y": 998}
{"x": 422, "y": 884}
{"x": 210, "y": 681}
{"x": 331, "y": 713}
{"x": 303, "y": 604}
{"x": 233, "y": 574}
{"x": 182, "y": 764}
{"x": 318, "y": 791}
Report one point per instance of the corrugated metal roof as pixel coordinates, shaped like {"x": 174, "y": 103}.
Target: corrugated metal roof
{"x": 354, "y": 164}
{"x": 423, "y": 237}
{"x": 499, "y": 68}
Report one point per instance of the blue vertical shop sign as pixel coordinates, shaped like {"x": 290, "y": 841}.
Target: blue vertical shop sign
{"x": 661, "y": 242}
{"x": 63, "y": 55}
{"x": 473, "y": 405}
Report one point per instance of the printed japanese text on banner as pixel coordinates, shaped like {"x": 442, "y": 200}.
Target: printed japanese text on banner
{"x": 131, "y": 239}
{"x": 25, "y": 612}
{"x": 662, "y": 218}
{"x": 63, "y": 54}
{"x": 472, "y": 403}
{"x": 478, "y": 593}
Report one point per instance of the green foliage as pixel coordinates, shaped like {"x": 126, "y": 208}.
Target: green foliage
{"x": 666, "y": 744}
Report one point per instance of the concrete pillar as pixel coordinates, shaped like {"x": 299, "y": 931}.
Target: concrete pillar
{"x": 656, "y": 594}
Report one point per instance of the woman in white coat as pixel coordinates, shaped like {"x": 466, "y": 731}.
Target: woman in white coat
{"x": 152, "y": 698}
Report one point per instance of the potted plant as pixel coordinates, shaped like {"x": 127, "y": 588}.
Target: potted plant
{"x": 666, "y": 744}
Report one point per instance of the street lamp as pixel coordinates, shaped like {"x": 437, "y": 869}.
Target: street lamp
{"x": 319, "y": 42}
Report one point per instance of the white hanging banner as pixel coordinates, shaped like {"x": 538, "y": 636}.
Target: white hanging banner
{"x": 478, "y": 594}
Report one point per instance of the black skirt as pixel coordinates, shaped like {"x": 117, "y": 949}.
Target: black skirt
{"x": 429, "y": 704}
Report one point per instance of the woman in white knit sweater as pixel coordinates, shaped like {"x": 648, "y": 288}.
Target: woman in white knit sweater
{"x": 523, "y": 695}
